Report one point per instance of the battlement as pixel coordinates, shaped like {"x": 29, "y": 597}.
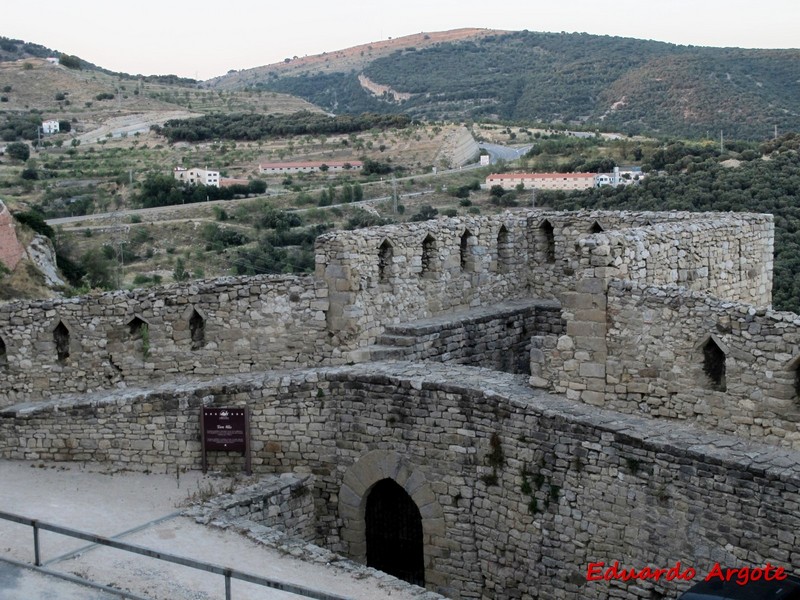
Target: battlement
{"x": 371, "y": 279}
{"x": 626, "y": 322}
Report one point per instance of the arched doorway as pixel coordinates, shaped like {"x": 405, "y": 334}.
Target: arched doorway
{"x": 394, "y": 533}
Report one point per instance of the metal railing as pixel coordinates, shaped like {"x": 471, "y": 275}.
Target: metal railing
{"x": 227, "y": 572}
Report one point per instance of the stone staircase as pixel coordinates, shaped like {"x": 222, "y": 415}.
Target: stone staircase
{"x": 482, "y": 336}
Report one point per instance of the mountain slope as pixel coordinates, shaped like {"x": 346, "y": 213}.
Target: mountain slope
{"x": 633, "y": 85}
{"x": 98, "y": 104}
{"x": 346, "y": 60}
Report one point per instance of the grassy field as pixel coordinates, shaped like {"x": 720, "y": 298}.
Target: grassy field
{"x": 99, "y": 165}
{"x": 205, "y": 240}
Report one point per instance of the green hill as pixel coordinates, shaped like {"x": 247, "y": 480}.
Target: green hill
{"x": 634, "y": 86}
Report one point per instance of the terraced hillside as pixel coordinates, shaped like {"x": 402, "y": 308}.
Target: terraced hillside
{"x": 635, "y": 86}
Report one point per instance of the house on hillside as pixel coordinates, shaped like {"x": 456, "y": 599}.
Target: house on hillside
{"x": 196, "y": 176}
{"x": 49, "y": 127}
{"x": 331, "y": 166}
{"x": 542, "y": 181}
{"x": 620, "y": 176}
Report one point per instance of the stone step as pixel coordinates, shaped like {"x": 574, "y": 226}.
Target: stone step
{"x": 394, "y": 339}
{"x": 381, "y": 352}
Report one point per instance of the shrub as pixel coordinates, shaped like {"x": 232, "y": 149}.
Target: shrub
{"x": 18, "y": 150}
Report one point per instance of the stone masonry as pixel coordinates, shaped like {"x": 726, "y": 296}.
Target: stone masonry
{"x": 573, "y": 483}
{"x": 648, "y": 411}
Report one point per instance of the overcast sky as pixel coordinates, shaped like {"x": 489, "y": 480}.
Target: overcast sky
{"x": 202, "y": 39}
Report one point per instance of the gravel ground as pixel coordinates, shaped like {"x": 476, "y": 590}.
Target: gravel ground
{"x": 86, "y": 497}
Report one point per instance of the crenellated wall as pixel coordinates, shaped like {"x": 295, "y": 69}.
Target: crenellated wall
{"x": 637, "y": 334}
{"x": 518, "y": 490}
{"x": 392, "y": 276}
{"x": 199, "y": 329}
{"x": 387, "y": 275}
{"x": 655, "y": 363}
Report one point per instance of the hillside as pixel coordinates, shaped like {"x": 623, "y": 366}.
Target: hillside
{"x": 98, "y": 104}
{"x": 344, "y": 61}
{"x": 634, "y": 86}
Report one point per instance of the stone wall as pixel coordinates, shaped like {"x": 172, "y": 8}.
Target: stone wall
{"x": 636, "y": 340}
{"x": 201, "y": 329}
{"x": 496, "y": 337}
{"x": 518, "y": 490}
{"x": 283, "y": 503}
{"x": 394, "y": 274}
{"x": 729, "y": 256}
{"x": 375, "y": 278}
{"x": 655, "y": 365}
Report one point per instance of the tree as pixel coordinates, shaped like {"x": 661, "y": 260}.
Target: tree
{"x": 18, "y": 150}
{"x": 29, "y": 173}
{"x": 358, "y": 192}
{"x": 70, "y": 61}
{"x": 99, "y": 269}
{"x": 35, "y": 221}
{"x": 425, "y": 213}
{"x": 497, "y": 191}
{"x": 257, "y": 186}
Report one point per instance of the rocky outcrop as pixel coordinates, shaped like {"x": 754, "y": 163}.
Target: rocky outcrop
{"x": 42, "y": 253}
{"x": 11, "y": 251}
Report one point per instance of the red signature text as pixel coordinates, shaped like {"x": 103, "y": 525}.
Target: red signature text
{"x": 600, "y": 571}
{"x": 596, "y": 572}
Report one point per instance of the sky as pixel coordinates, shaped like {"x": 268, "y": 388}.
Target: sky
{"x": 203, "y": 39}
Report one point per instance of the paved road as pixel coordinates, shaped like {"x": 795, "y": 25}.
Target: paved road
{"x": 498, "y": 152}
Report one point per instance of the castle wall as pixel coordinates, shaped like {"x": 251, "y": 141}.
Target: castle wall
{"x": 520, "y": 490}
{"x": 283, "y": 503}
{"x": 496, "y": 337}
{"x": 371, "y": 279}
{"x": 502, "y": 257}
{"x": 201, "y": 329}
{"x": 730, "y": 256}
{"x": 656, "y": 362}
{"x": 609, "y": 353}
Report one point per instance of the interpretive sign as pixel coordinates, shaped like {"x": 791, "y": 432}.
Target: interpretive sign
{"x": 227, "y": 430}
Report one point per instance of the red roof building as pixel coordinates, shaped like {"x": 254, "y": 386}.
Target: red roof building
{"x": 542, "y": 181}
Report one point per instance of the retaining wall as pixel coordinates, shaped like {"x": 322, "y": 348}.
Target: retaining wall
{"x": 518, "y": 490}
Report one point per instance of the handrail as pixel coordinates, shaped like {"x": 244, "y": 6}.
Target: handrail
{"x": 227, "y": 572}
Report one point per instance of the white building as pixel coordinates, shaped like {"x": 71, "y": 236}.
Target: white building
{"x": 334, "y": 166}
{"x": 50, "y": 126}
{"x": 542, "y": 181}
{"x": 196, "y": 176}
{"x": 626, "y": 176}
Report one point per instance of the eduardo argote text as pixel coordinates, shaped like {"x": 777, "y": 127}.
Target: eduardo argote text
{"x": 600, "y": 571}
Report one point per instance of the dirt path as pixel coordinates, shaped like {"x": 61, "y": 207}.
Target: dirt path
{"x": 128, "y": 125}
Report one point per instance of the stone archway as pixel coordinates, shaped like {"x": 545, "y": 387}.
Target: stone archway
{"x": 394, "y": 533}
{"x": 362, "y": 478}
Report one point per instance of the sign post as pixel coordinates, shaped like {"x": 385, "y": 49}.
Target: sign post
{"x": 226, "y": 429}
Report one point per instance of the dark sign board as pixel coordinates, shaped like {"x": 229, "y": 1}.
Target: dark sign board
{"x": 225, "y": 429}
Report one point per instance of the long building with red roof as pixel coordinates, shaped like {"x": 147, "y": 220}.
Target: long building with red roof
{"x": 334, "y": 166}
{"x": 542, "y": 181}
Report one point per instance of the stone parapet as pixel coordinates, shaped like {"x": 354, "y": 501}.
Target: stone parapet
{"x": 518, "y": 489}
